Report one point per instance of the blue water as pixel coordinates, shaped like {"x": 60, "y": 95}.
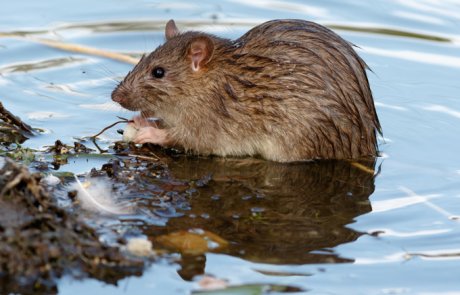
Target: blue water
{"x": 416, "y": 86}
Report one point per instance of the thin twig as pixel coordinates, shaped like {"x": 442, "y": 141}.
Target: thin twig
{"x": 121, "y": 118}
{"x": 362, "y": 167}
{"x": 93, "y": 139}
{"x": 110, "y": 126}
{"x": 87, "y": 50}
{"x": 156, "y": 158}
{"x": 77, "y": 48}
{"x": 441, "y": 255}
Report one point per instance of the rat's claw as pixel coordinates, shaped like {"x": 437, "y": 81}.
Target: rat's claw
{"x": 151, "y": 135}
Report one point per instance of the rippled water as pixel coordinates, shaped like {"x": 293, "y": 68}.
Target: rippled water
{"x": 399, "y": 234}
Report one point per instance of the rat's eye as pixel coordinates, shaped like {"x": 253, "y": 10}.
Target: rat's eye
{"x": 158, "y": 72}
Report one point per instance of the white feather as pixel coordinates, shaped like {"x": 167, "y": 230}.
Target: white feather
{"x": 99, "y": 197}
{"x": 50, "y": 180}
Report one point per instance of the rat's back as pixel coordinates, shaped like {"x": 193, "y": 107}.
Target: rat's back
{"x": 315, "y": 86}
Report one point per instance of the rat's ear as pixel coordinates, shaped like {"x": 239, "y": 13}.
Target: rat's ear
{"x": 200, "y": 52}
{"x": 171, "y": 30}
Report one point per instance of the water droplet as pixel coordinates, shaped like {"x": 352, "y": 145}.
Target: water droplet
{"x": 257, "y": 209}
{"x": 247, "y": 197}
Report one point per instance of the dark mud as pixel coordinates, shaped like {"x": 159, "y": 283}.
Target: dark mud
{"x": 12, "y": 128}
{"x": 40, "y": 242}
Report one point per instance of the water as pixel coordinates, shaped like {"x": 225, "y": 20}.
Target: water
{"x": 400, "y": 237}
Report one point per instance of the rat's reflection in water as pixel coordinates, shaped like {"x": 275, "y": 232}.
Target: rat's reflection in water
{"x": 271, "y": 212}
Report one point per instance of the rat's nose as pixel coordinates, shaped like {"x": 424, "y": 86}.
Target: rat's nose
{"x": 118, "y": 94}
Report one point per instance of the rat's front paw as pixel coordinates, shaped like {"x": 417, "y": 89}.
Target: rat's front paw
{"x": 151, "y": 135}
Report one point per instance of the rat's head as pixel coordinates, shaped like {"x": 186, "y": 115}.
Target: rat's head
{"x": 165, "y": 77}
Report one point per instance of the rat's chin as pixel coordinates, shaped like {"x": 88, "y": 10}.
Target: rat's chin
{"x": 129, "y": 107}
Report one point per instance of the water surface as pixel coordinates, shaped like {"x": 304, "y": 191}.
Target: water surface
{"x": 327, "y": 229}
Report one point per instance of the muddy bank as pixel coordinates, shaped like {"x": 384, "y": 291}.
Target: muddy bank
{"x": 12, "y": 128}
{"x": 40, "y": 242}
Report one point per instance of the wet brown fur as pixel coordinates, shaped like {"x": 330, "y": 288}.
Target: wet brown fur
{"x": 287, "y": 90}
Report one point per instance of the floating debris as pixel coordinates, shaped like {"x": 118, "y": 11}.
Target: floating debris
{"x": 97, "y": 195}
{"x": 212, "y": 283}
{"x": 12, "y": 128}
{"x": 140, "y": 247}
{"x": 50, "y": 180}
{"x": 193, "y": 242}
{"x": 251, "y": 290}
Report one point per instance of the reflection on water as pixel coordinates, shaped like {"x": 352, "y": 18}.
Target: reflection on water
{"x": 271, "y": 212}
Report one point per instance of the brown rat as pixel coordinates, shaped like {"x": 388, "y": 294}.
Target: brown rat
{"x": 287, "y": 90}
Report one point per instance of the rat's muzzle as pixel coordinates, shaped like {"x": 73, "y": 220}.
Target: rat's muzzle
{"x": 121, "y": 95}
